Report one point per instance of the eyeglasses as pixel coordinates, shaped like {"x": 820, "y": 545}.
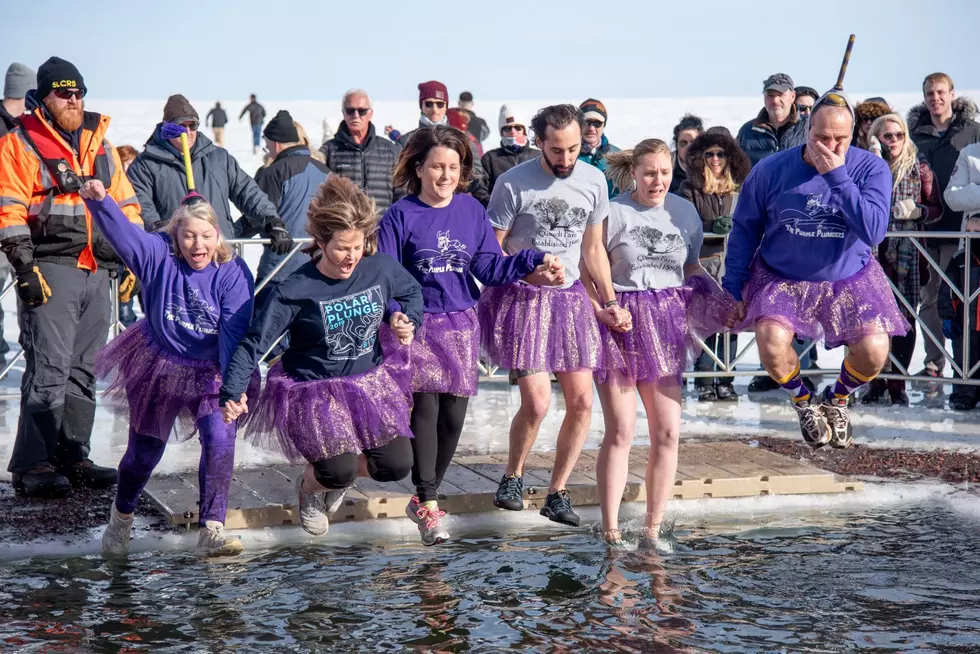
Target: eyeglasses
{"x": 360, "y": 111}
{"x": 434, "y": 104}
{"x": 191, "y": 125}
{"x": 715, "y": 155}
{"x": 804, "y": 108}
{"x": 893, "y": 136}
{"x": 67, "y": 94}
{"x": 597, "y": 124}
{"x": 513, "y": 128}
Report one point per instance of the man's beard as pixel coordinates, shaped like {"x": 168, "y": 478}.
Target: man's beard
{"x": 68, "y": 118}
{"x": 560, "y": 174}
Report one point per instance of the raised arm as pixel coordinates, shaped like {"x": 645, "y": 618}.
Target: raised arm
{"x": 142, "y": 252}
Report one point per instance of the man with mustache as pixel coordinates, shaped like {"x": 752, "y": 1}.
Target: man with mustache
{"x": 60, "y": 260}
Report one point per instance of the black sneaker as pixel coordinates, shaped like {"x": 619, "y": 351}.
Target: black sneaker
{"x": 42, "y": 481}
{"x": 558, "y": 508}
{"x": 762, "y": 384}
{"x": 707, "y": 394}
{"x": 726, "y": 393}
{"x": 931, "y": 388}
{"x": 957, "y": 404}
{"x": 86, "y": 474}
{"x": 510, "y": 493}
{"x": 835, "y": 410}
{"x": 876, "y": 391}
{"x": 813, "y": 425}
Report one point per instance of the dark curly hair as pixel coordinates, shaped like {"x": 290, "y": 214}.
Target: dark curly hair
{"x": 739, "y": 164}
{"x": 417, "y": 151}
{"x": 688, "y": 121}
{"x": 558, "y": 116}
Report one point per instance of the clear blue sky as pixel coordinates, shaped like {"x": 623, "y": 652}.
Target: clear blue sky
{"x": 529, "y": 49}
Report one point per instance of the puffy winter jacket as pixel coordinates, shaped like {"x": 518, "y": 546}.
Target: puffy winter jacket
{"x": 7, "y": 122}
{"x": 942, "y": 152}
{"x": 157, "y": 174}
{"x": 949, "y": 306}
{"x": 963, "y": 191}
{"x": 759, "y": 139}
{"x": 597, "y": 158}
{"x": 369, "y": 164}
{"x": 495, "y": 163}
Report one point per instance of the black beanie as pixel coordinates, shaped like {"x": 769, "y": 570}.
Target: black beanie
{"x": 55, "y": 74}
{"x": 281, "y": 129}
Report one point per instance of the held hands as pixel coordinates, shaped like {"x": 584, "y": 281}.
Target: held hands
{"x": 92, "y": 190}
{"x": 550, "y": 273}
{"x": 231, "y": 410}
{"x": 615, "y": 318}
{"x": 402, "y": 327}
{"x": 825, "y": 159}
{"x": 736, "y": 316}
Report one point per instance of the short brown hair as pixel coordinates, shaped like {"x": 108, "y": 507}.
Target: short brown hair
{"x": 126, "y": 153}
{"x": 417, "y": 151}
{"x": 340, "y": 205}
{"x": 620, "y": 164}
{"x": 935, "y": 78}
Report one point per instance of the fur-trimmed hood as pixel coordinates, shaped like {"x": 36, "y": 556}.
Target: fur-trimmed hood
{"x": 738, "y": 162}
{"x": 964, "y": 110}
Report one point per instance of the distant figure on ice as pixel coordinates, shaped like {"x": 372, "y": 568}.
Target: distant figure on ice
{"x": 217, "y": 118}
{"x": 515, "y": 147}
{"x": 477, "y": 126}
{"x": 800, "y": 259}
{"x": 256, "y": 116}
{"x": 595, "y": 146}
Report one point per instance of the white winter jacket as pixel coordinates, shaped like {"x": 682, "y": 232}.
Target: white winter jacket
{"x": 963, "y": 191}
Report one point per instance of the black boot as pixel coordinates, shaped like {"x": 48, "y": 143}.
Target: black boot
{"x": 42, "y": 481}
{"x": 896, "y": 389}
{"x": 706, "y": 392}
{"x": 876, "y": 391}
{"x": 762, "y": 384}
{"x": 86, "y": 474}
{"x": 726, "y": 392}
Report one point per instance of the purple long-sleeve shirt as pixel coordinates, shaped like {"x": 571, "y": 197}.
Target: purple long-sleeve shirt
{"x": 807, "y": 226}
{"x": 441, "y": 247}
{"x": 197, "y": 314}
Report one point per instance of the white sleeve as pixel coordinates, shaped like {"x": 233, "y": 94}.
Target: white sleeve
{"x": 962, "y": 193}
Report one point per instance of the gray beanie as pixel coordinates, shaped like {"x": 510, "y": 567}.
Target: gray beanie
{"x": 19, "y": 80}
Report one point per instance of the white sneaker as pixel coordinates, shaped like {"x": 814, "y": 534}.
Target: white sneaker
{"x": 213, "y": 541}
{"x": 412, "y": 510}
{"x": 115, "y": 538}
{"x": 430, "y": 525}
{"x": 312, "y": 510}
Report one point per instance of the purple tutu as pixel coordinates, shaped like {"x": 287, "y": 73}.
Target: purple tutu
{"x": 316, "y": 420}
{"x": 839, "y": 312}
{"x": 444, "y": 353}
{"x": 163, "y": 394}
{"x": 536, "y": 328}
{"x": 662, "y": 342}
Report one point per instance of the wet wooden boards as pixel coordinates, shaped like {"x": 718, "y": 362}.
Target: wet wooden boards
{"x": 265, "y": 497}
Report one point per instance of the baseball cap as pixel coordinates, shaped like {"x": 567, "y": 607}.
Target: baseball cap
{"x": 780, "y": 82}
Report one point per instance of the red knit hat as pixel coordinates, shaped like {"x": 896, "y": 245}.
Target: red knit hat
{"x": 433, "y": 91}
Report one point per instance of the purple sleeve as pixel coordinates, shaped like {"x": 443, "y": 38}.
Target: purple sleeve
{"x": 748, "y": 227}
{"x": 141, "y": 251}
{"x": 390, "y": 238}
{"x": 489, "y": 264}
{"x": 865, "y": 207}
{"x": 236, "y": 309}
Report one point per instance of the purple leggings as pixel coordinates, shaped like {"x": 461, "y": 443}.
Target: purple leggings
{"x": 213, "y": 474}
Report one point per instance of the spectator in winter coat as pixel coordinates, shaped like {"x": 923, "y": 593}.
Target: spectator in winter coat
{"x": 688, "y": 129}
{"x": 778, "y": 126}
{"x": 806, "y": 97}
{"x": 477, "y": 126}
{"x": 951, "y": 310}
{"x": 963, "y": 191}
{"x": 866, "y": 113}
{"x": 940, "y": 127}
{"x": 217, "y": 118}
{"x": 160, "y": 183}
{"x": 358, "y": 153}
{"x": 515, "y": 148}
{"x": 256, "y": 116}
{"x": 595, "y": 146}
{"x": 461, "y": 121}
{"x": 915, "y": 203}
{"x": 433, "y": 102}
{"x": 716, "y": 169}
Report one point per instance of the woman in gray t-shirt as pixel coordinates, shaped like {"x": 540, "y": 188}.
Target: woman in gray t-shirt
{"x": 653, "y": 239}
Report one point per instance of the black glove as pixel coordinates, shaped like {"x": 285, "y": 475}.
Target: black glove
{"x": 280, "y": 240}
{"x": 32, "y": 289}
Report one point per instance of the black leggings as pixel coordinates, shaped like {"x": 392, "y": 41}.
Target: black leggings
{"x": 390, "y": 462}
{"x": 437, "y": 422}
{"x": 904, "y": 346}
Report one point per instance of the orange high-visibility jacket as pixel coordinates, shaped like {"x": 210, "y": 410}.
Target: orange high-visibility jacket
{"x": 31, "y": 205}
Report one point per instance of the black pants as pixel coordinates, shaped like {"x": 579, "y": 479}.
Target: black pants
{"x": 437, "y": 422}
{"x": 962, "y": 392}
{"x": 904, "y": 346}
{"x": 390, "y": 462}
{"x": 57, "y": 392}
{"x": 715, "y": 343}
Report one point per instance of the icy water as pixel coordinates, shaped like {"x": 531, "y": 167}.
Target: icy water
{"x": 870, "y": 580}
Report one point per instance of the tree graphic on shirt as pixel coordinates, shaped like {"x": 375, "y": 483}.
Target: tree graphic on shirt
{"x": 555, "y": 214}
{"x": 655, "y": 241}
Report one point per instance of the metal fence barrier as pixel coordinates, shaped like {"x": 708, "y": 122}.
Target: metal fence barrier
{"x": 726, "y": 364}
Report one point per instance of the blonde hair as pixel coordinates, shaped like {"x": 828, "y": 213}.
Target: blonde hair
{"x": 620, "y": 164}
{"x": 715, "y": 186}
{"x": 305, "y": 140}
{"x": 339, "y": 206}
{"x": 199, "y": 211}
{"x": 908, "y": 159}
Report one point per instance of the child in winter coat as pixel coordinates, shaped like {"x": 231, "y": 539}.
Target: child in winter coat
{"x": 964, "y": 398}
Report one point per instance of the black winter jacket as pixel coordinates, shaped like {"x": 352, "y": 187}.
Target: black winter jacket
{"x": 951, "y": 307}
{"x": 368, "y": 164}
{"x": 7, "y": 122}
{"x": 255, "y": 111}
{"x": 495, "y": 163}
{"x": 759, "y": 140}
{"x": 218, "y": 117}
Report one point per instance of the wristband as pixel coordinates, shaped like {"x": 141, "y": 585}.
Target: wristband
{"x": 611, "y": 303}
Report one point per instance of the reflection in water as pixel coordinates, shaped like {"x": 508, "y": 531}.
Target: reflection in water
{"x": 905, "y": 579}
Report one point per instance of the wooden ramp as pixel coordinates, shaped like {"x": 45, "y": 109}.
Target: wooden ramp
{"x": 265, "y": 497}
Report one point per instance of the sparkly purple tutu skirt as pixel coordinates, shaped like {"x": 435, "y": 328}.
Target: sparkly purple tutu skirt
{"x": 665, "y": 322}
{"x": 444, "y": 353}
{"x": 163, "y": 394}
{"x": 536, "y": 328}
{"x": 839, "y": 312}
{"x": 319, "y": 419}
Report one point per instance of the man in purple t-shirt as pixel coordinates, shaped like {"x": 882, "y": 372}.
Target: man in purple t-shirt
{"x": 800, "y": 259}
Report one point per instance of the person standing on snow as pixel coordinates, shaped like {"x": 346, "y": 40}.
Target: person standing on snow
{"x": 256, "y": 117}
{"x": 217, "y": 118}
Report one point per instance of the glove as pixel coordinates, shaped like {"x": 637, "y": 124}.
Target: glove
{"x": 129, "y": 286}
{"x": 280, "y": 240}
{"x": 722, "y": 225}
{"x": 906, "y": 210}
{"x": 952, "y": 329}
{"x": 32, "y": 289}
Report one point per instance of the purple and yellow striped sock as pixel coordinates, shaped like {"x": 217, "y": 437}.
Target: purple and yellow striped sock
{"x": 793, "y": 384}
{"x": 849, "y": 381}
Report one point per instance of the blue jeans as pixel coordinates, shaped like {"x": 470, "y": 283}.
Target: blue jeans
{"x": 256, "y": 135}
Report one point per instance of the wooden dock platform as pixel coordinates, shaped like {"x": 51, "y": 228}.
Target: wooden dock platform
{"x": 265, "y": 497}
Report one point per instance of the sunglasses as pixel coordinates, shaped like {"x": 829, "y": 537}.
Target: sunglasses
{"x": 191, "y": 126}
{"x": 360, "y": 111}
{"x": 434, "y": 104}
{"x": 804, "y": 108}
{"x": 715, "y": 155}
{"x": 893, "y": 136}
{"x": 594, "y": 123}
{"x": 67, "y": 94}
{"x": 513, "y": 128}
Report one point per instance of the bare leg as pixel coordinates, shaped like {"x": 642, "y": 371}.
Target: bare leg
{"x": 577, "y": 388}
{"x": 662, "y": 402}
{"x": 869, "y": 355}
{"x": 535, "y": 401}
{"x": 775, "y": 344}
{"x": 612, "y": 469}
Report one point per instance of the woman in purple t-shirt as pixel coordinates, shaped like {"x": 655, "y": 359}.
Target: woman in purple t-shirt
{"x": 166, "y": 369}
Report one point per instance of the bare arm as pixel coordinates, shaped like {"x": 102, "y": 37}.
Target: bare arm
{"x": 597, "y": 261}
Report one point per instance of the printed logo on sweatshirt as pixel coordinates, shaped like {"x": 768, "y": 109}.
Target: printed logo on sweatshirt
{"x": 816, "y": 220}
{"x": 450, "y": 256}
{"x": 351, "y": 323}
{"x": 559, "y": 225}
{"x": 661, "y": 249}
{"x": 192, "y": 313}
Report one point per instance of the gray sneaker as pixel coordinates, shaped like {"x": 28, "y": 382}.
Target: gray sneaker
{"x": 838, "y": 419}
{"x": 312, "y": 510}
{"x": 115, "y": 538}
{"x": 813, "y": 425}
{"x": 213, "y": 541}
{"x": 429, "y": 521}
